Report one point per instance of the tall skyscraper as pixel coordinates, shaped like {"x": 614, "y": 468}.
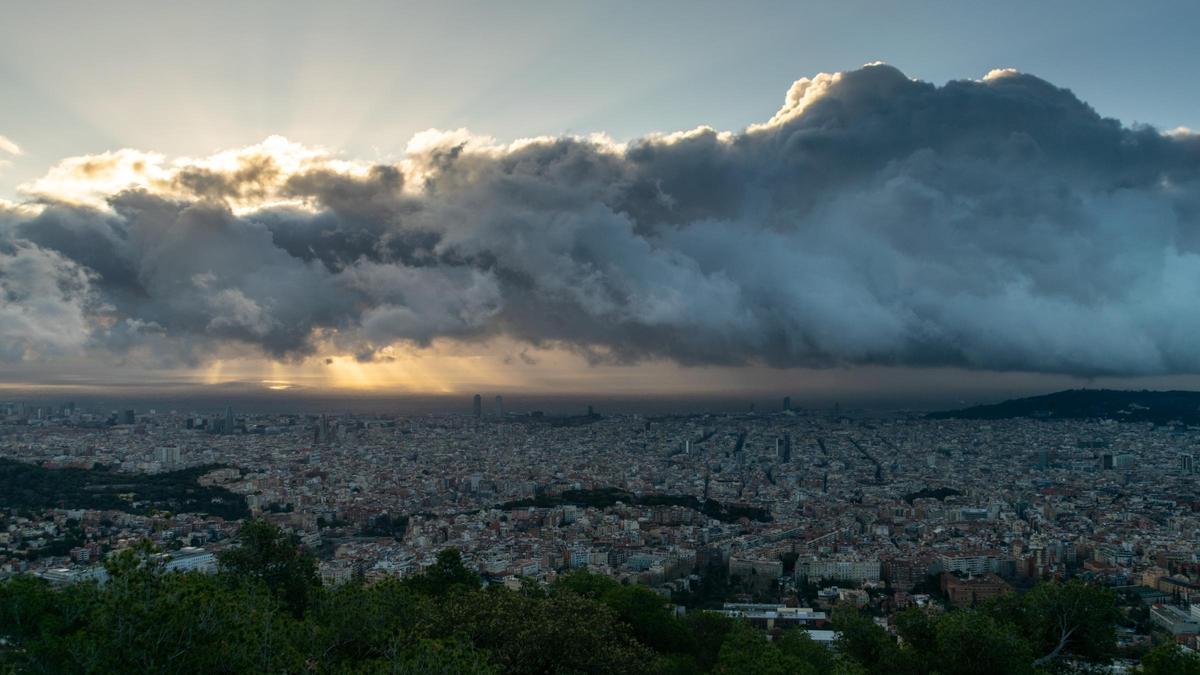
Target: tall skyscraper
{"x": 128, "y": 417}
{"x": 787, "y": 403}
{"x": 321, "y": 431}
{"x": 499, "y": 409}
{"x": 478, "y": 406}
{"x": 228, "y": 419}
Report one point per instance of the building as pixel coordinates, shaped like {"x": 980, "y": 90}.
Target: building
{"x": 167, "y": 456}
{"x": 191, "y": 559}
{"x": 478, "y": 406}
{"x": 580, "y": 557}
{"x": 1174, "y": 620}
{"x": 764, "y": 570}
{"x": 499, "y": 407}
{"x": 783, "y": 448}
{"x": 968, "y": 563}
{"x": 228, "y": 420}
{"x": 971, "y": 592}
{"x": 770, "y": 616}
{"x": 856, "y": 571}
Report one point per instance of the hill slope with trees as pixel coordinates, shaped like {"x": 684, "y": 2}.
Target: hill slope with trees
{"x": 266, "y": 611}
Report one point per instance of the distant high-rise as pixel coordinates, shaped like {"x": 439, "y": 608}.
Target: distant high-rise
{"x": 590, "y": 411}
{"x": 1187, "y": 464}
{"x": 499, "y": 407}
{"x": 1043, "y": 458}
{"x": 128, "y": 417}
{"x": 787, "y": 403}
{"x": 228, "y": 419}
{"x": 478, "y": 406}
{"x": 321, "y": 431}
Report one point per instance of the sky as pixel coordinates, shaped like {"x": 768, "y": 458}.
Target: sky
{"x": 623, "y": 198}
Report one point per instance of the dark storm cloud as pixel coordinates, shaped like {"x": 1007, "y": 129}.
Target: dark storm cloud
{"x": 999, "y": 224}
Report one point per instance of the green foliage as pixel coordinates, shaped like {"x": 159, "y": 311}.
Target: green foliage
{"x": 1169, "y": 659}
{"x": 801, "y": 650}
{"x": 266, "y": 554}
{"x": 385, "y": 525}
{"x": 33, "y": 487}
{"x": 746, "y": 651}
{"x": 643, "y": 610}
{"x": 709, "y": 631}
{"x": 561, "y": 633}
{"x": 586, "y": 584}
{"x": 430, "y": 657}
{"x": 972, "y": 643}
{"x": 144, "y": 621}
{"x": 390, "y": 608}
{"x": 864, "y": 641}
{"x": 265, "y": 612}
{"x": 1062, "y": 618}
{"x": 447, "y": 575}
{"x": 1088, "y": 612}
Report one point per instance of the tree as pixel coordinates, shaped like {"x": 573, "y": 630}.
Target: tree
{"x": 746, "y": 651}
{"x": 586, "y": 584}
{"x": 145, "y": 621}
{"x": 798, "y": 647}
{"x": 970, "y": 642}
{"x": 561, "y": 633}
{"x": 448, "y": 574}
{"x": 1169, "y": 659}
{"x": 709, "y": 631}
{"x": 1063, "y": 618}
{"x": 862, "y": 640}
{"x": 356, "y": 623}
{"x": 430, "y": 657}
{"x": 267, "y": 554}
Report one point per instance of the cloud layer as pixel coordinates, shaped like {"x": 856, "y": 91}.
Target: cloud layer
{"x": 996, "y": 224}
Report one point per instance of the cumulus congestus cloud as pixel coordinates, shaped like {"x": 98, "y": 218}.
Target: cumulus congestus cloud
{"x": 999, "y": 224}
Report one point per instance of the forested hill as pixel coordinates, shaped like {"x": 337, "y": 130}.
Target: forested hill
{"x": 1159, "y": 407}
{"x": 30, "y": 486}
{"x": 266, "y": 611}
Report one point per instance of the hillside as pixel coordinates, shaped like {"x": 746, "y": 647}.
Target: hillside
{"x": 29, "y": 486}
{"x": 267, "y": 611}
{"x": 1158, "y": 407}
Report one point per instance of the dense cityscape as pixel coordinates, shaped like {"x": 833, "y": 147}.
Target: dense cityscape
{"x": 618, "y": 338}
{"x": 775, "y": 516}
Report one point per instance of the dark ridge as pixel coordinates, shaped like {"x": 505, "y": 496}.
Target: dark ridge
{"x": 1157, "y": 407}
